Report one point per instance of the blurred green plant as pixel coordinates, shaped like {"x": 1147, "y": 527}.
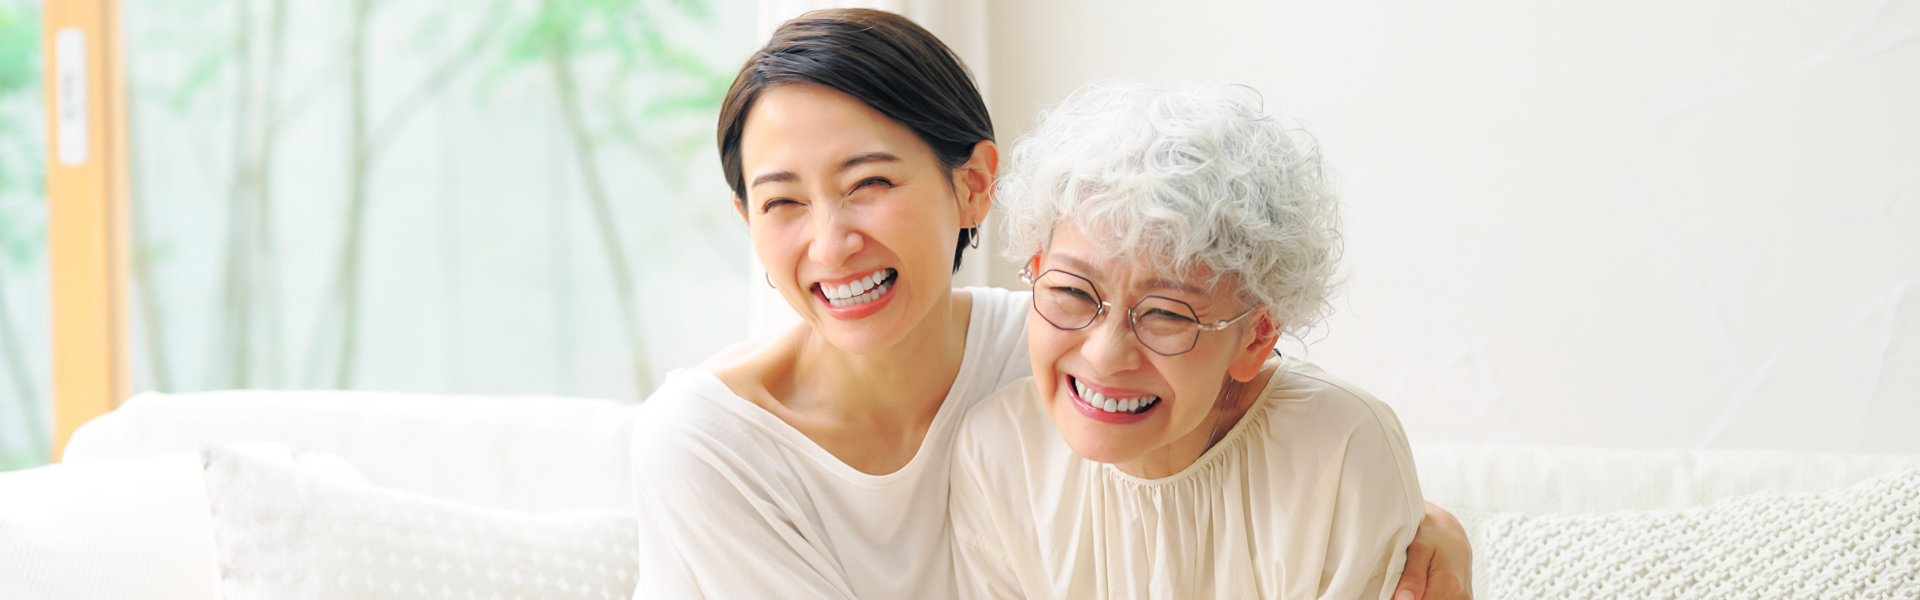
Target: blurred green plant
{"x": 209, "y": 57}
{"x": 638, "y": 70}
{"x": 623, "y": 84}
{"x": 21, "y": 238}
{"x": 22, "y": 221}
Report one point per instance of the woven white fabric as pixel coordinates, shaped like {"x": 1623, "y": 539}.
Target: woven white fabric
{"x": 1861, "y": 541}
{"x": 284, "y": 532}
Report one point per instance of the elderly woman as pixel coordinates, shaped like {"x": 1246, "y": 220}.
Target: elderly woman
{"x": 1163, "y": 449}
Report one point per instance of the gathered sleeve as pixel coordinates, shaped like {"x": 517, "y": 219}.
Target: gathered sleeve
{"x": 1378, "y": 510}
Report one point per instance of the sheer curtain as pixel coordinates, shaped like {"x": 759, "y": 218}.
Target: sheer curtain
{"x": 490, "y": 197}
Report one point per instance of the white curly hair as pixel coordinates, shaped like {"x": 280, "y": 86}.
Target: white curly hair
{"x": 1190, "y": 176}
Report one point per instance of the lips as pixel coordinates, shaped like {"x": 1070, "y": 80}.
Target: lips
{"x": 860, "y": 290}
{"x": 858, "y": 297}
{"x": 1113, "y": 407}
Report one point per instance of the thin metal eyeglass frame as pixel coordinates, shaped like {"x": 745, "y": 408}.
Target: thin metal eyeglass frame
{"x": 1026, "y": 275}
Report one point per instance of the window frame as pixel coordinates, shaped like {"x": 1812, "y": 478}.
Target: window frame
{"x": 86, "y": 220}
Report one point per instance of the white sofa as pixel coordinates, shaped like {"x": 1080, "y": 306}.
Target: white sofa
{"x": 1480, "y": 483}
{"x": 125, "y": 515}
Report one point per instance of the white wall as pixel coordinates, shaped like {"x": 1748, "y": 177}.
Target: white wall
{"x": 1628, "y": 224}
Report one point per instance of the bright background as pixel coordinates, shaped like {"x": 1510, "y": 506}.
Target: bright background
{"x": 1632, "y": 224}
{"x": 485, "y": 197}
{"x": 1626, "y": 224}
{"x": 500, "y": 197}
{"x": 25, "y": 348}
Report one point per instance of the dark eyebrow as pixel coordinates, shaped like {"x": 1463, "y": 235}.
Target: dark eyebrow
{"x": 775, "y": 177}
{"x": 869, "y": 157}
{"x": 789, "y": 177}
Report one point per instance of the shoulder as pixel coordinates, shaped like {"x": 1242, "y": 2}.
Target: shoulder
{"x": 694, "y": 422}
{"x": 1347, "y": 450}
{"x": 1003, "y": 436}
{"x": 996, "y": 419}
{"x": 998, "y": 309}
{"x": 1323, "y": 419}
{"x": 996, "y": 341}
{"x": 999, "y": 454}
{"x": 687, "y": 395}
{"x": 1305, "y": 400}
{"x": 1008, "y": 414}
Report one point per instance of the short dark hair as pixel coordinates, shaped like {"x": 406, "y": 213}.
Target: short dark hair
{"x": 881, "y": 59}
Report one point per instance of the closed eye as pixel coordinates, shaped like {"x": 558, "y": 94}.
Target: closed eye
{"x": 777, "y": 203}
{"x": 1075, "y": 293}
{"x": 880, "y": 181}
{"x": 1158, "y": 313}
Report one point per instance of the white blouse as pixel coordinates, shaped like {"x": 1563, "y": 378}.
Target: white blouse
{"x": 1311, "y": 495}
{"x": 736, "y": 503}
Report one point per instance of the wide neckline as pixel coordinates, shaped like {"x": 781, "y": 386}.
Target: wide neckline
{"x": 759, "y": 416}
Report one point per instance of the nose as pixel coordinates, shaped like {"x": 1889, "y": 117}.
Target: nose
{"x": 1110, "y": 345}
{"x": 835, "y": 239}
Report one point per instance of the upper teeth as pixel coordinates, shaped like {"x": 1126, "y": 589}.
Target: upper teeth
{"x": 1102, "y": 402}
{"x": 864, "y": 289}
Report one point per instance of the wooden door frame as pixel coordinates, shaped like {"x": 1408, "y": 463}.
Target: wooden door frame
{"x": 86, "y": 209}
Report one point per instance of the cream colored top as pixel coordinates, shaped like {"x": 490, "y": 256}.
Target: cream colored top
{"x": 735, "y": 503}
{"x": 1311, "y": 495}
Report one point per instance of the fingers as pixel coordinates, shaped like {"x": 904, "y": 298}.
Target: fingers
{"x": 1413, "y": 579}
{"x": 1451, "y": 557}
{"x": 1443, "y": 585}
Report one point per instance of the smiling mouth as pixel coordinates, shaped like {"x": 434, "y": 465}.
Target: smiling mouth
{"x": 859, "y": 291}
{"x": 1118, "y": 406}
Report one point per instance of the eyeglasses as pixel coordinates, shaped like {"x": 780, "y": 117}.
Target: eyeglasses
{"x": 1166, "y": 326}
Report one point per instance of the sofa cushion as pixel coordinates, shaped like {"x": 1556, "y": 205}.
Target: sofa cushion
{"x": 521, "y": 453}
{"x": 126, "y": 529}
{"x": 1857, "y": 542}
{"x": 286, "y": 533}
{"x": 135, "y": 528}
{"x": 1480, "y": 481}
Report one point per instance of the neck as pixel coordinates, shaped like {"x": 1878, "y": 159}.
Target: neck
{"x": 890, "y": 388}
{"x": 1236, "y": 399}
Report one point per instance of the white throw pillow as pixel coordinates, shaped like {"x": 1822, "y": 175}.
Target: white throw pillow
{"x": 135, "y": 528}
{"x": 118, "y": 529}
{"x": 282, "y": 532}
{"x": 1861, "y": 541}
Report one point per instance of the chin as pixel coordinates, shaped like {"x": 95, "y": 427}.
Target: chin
{"x": 1099, "y": 451}
{"x": 872, "y": 333}
{"x": 1088, "y": 439}
{"x": 863, "y": 337}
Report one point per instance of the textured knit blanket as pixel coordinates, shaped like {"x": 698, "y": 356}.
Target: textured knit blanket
{"x": 1862, "y": 541}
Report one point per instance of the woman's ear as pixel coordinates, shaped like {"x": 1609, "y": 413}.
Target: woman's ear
{"x": 1250, "y": 357}
{"x": 739, "y": 206}
{"x": 975, "y": 182}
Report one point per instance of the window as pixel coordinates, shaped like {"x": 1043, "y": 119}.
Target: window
{"x": 494, "y": 197}
{"x": 24, "y": 352}
{"x": 421, "y": 195}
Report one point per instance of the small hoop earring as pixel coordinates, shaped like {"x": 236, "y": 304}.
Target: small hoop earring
{"x": 973, "y": 237}
{"x": 769, "y": 279}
